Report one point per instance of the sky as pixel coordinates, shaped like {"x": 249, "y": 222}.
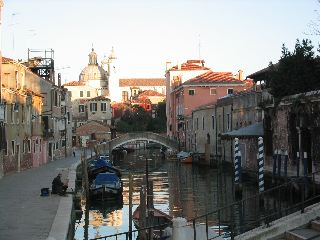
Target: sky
{"x": 228, "y": 34}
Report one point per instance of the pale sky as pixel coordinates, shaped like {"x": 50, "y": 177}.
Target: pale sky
{"x": 233, "y": 34}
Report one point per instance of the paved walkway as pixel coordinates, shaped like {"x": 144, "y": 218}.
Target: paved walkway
{"x": 24, "y": 214}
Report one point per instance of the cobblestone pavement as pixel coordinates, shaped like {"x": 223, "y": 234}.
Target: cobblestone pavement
{"x": 24, "y": 214}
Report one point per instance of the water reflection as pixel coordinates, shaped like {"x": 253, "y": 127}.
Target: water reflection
{"x": 180, "y": 190}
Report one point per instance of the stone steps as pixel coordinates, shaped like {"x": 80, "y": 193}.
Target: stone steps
{"x": 310, "y": 232}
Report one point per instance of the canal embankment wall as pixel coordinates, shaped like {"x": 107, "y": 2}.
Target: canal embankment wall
{"x": 63, "y": 227}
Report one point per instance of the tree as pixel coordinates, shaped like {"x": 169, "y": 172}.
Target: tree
{"x": 296, "y": 71}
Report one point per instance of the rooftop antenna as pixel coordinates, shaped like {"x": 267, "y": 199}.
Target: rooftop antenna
{"x": 199, "y": 47}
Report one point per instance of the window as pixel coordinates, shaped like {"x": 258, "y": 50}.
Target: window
{"x": 12, "y": 113}
{"x": 68, "y": 117}
{"x": 55, "y": 98}
{"x": 103, "y": 107}
{"x": 135, "y": 92}
{"x": 228, "y": 121}
{"x": 34, "y": 146}
{"x": 202, "y": 123}
{"x": 40, "y": 149}
{"x": 88, "y": 93}
{"x": 191, "y": 92}
{"x": 230, "y": 91}
{"x": 81, "y": 108}
{"x": 125, "y": 96}
{"x": 16, "y": 75}
{"x": 22, "y": 114}
{"x": 81, "y": 93}
{"x": 12, "y": 147}
{"x": 213, "y": 122}
{"x": 29, "y": 145}
{"x": 197, "y": 124}
{"x": 24, "y": 146}
{"x": 93, "y": 107}
{"x": 213, "y": 91}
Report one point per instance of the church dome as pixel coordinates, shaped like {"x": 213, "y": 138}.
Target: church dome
{"x": 93, "y": 71}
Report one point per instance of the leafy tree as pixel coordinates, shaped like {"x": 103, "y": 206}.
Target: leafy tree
{"x": 137, "y": 119}
{"x": 296, "y": 71}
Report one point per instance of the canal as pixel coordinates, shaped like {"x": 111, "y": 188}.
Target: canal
{"x": 180, "y": 190}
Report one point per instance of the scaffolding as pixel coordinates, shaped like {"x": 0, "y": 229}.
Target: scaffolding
{"x": 41, "y": 62}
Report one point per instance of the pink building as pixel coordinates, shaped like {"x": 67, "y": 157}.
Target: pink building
{"x": 175, "y": 76}
{"x": 198, "y": 91}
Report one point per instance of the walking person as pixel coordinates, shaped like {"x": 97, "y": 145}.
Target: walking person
{"x": 74, "y": 151}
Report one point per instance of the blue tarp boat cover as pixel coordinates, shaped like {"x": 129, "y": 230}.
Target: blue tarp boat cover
{"x": 102, "y": 163}
{"x": 103, "y": 178}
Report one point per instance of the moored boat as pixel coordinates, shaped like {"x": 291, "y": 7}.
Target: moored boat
{"x": 105, "y": 186}
{"x": 186, "y": 160}
{"x": 160, "y": 218}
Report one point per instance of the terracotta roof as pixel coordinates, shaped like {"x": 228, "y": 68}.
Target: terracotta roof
{"x": 190, "y": 65}
{"x": 151, "y": 93}
{"x": 99, "y": 98}
{"x": 73, "y": 83}
{"x": 92, "y": 127}
{"x": 214, "y": 77}
{"x": 7, "y": 60}
{"x": 127, "y": 82}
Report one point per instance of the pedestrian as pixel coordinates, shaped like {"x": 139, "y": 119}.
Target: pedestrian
{"x": 58, "y": 187}
{"x": 74, "y": 151}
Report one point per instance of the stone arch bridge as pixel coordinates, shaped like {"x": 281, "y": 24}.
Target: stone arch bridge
{"x": 138, "y": 136}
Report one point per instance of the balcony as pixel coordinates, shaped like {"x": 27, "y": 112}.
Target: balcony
{"x": 180, "y": 117}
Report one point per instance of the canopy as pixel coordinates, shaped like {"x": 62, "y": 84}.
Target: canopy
{"x": 254, "y": 130}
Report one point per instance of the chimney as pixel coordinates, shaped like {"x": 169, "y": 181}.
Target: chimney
{"x": 240, "y": 75}
{"x": 179, "y": 66}
{"x": 168, "y": 65}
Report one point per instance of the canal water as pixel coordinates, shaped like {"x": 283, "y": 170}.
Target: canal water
{"x": 180, "y": 190}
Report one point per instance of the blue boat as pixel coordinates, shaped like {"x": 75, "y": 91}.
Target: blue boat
{"x": 106, "y": 186}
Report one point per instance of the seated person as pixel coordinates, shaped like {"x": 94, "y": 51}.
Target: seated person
{"x": 58, "y": 187}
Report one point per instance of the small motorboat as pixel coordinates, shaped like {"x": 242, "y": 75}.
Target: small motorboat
{"x": 105, "y": 186}
{"x": 159, "y": 218}
{"x": 186, "y": 159}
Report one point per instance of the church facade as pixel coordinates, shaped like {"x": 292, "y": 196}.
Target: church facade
{"x": 92, "y": 95}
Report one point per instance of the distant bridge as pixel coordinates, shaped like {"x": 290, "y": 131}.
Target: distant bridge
{"x": 139, "y": 136}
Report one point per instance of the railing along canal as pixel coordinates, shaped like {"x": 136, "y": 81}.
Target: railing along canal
{"x": 298, "y": 193}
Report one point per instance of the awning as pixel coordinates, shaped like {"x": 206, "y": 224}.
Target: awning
{"x": 254, "y": 130}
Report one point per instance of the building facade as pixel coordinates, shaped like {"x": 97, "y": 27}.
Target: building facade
{"x": 132, "y": 87}
{"x": 32, "y": 110}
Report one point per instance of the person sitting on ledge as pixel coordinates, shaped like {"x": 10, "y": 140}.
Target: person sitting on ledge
{"x": 58, "y": 187}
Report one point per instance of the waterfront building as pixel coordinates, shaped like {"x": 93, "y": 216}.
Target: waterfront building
{"x": 35, "y": 117}
{"x": 196, "y": 92}
{"x": 176, "y": 75}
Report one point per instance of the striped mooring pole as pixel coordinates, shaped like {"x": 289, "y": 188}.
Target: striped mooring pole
{"x": 237, "y": 169}
{"x": 236, "y": 161}
{"x": 261, "y": 164}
